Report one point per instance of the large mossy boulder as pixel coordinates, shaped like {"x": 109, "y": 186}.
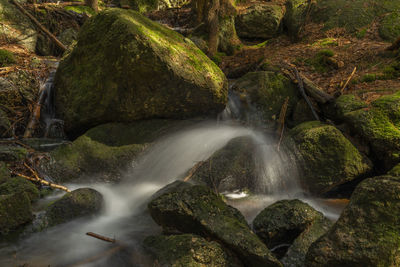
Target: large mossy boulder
{"x": 78, "y": 203}
{"x": 326, "y": 157}
{"x": 231, "y": 168}
{"x": 379, "y": 127}
{"x": 367, "y": 232}
{"x": 389, "y": 28}
{"x": 12, "y": 153}
{"x": 126, "y": 67}
{"x": 16, "y": 26}
{"x": 262, "y": 95}
{"x": 196, "y": 209}
{"x": 259, "y": 21}
{"x": 296, "y": 16}
{"x": 105, "y": 152}
{"x": 4, "y": 172}
{"x": 19, "y": 185}
{"x": 189, "y": 250}
{"x": 282, "y": 222}
{"x": 343, "y": 105}
{"x": 352, "y": 15}
{"x": 15, "y": 210}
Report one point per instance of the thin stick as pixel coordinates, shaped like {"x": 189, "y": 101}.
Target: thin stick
{"x": 348, "y": 79}
{"x": 64, "y": 4}
{"x": 281, "y": 121}
{"x": 43, "y": 182}
{"x": 43, "y": 29}
{"x": 303, "y": 93}
{"x": 193, "y": 170}
{"x": 101, "y": 237}
{"x": 32, "y": 171}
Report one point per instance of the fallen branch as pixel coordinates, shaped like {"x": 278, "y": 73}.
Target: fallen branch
{"x": 281, "y": 121}
{"x": 43, "y": 29}
{"x": 315, "y": 91}
{"x": 348, "y": 79}
{"x": 101, "y": 237}
{"x": 56, "y": 186}
{"x": 63, "y": 4}
{"x": 193, "y": 170}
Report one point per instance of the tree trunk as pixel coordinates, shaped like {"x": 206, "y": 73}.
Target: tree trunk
{"x": 93, "y": 4}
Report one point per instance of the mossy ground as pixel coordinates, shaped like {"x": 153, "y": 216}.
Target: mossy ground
{"x": 6, "y": 58}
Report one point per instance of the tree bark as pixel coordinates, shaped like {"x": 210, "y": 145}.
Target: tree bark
{"x": 93, "y": 4}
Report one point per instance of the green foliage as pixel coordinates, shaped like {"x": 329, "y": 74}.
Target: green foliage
{"x": 325, "y": 42}
{"x": 81, "y": 9}
{"x": 369, "y": 77}
{"x": 6, "y": 58}
{"x": 361, "y": 33}
{"x": 390, "y": 26}
{"x": 321, "y": 62}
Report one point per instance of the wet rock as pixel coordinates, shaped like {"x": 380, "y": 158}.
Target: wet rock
{"x": 78, "y": 203}
{"x": 196, "y": 209}
{"x": 126, "y": 67}
{"x": 296, "y": 254}
{"x": 19, "y": 185}
{"x": 379, "y": 127}
{"x": 352, "y": 15}
{"x": 16, "y": 26}
{"x": 259, "y": 21}
{"x": 368, "y": 231}
{"x": 103, "y": 153}
{"x": 296, "y": 16}
{"x": 262, "y": 95}
{"x": 326, "y": 158}
{"x": 189, "y": 250}
{"x": 15, "y": 210}
{"x": 283, "y": 221}
{"x": 12, "y": 153}
{"x": 233, "y": 167}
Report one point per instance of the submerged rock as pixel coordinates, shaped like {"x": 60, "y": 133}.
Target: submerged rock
{"x": 283, "y": 221}
{"x": 103, "y": 153}
{"x": 326, "y": 158}
{"x": 78, "y": 203}
{"x": 262, "y": 95}
{"x": 233, "y": 167}
{"x": 259, "y": 21}
{"x": 15, "y": 210}
{"x": 368, "y": 231}
{"x": 126, "y": 67}
{"x": 189, "y": 250}
{"x": 196, "y": 209}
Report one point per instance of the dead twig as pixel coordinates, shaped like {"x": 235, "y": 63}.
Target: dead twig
{"x": 56, "y": 186}
{"x": 281, "y": 121}
{"x": 193, "y": 170}
{"x": 101, "y": 237}
{"x": 348, "y": 80}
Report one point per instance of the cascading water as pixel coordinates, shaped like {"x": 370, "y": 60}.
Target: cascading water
{"x": 125, "y": 217}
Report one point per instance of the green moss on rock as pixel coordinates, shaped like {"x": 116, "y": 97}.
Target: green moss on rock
{"x": 6, "y": 58}
{"x": 367, "y": 232}
{"x": 326, "y": 158}
{"x": 126, "y": 67}
{"x": 395, "y": 171}
{"x": 20, "y": 185}
{"x": 78, "y": 203}
{"x": 389, "y": 28}
{"x": 12, "y": 153}
{"x": 188, "y": 250}
{"x": 15, "y": 210}
{"x": 4, "y": 172}
{"x": 196, "y": 209}
{"x": 296, "y": 15}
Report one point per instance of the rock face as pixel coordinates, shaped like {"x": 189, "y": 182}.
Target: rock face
{"x": 196, "y": 209}
{"x": 188, "y": 250}
{"x": 126, "y": 67}
{"x": 368, "y": 231}
{"x": 326, "y": 157}
{"x": 283, "y": 221}
{"x": 296, "y": 15}
{"x": 104, "y": 152}
{"x": 15, "y": 210}
{"x": 78, "y": 203}
{"x": 259, "y": 21}
{"x": 17, "y": 26}
{"x": 231, "y": 168}
{"x": 262, "y": 95}
{"x": 379, "y": 127}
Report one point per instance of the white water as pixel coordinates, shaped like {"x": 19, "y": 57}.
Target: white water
{"x": 124, "y": 216}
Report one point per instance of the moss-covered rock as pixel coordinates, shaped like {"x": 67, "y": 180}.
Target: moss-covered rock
{"x": 188, "y": 250}
{"x": 342, "y": 105}
{"x": 103, "y": 153}
{"x": 367, "y": 232}
{"x": 283, "y": 221}
{"x": 326, "y": 158}
{"x": 126, "y": 67}
{"x": 12, "y": 153}
{"x": 15, "y": 210}
{"x": 78, "y": 203}
{"x": 5, "y": 123}
{"x": 389, "y": 28}
{"x": 395, "y": 171}
{"x": 6, "y": 58}
{"x": 4, "y": 172}
{"x": 379, "y": 127}
{"x": 259, "y": 21}
{"x": 196, "y": 209}
{"x": 296, "y": 254}
{"x": 16, "y": 26}
{"x": 296, "y": 16}
{"x": 262, "y": 95}
{"x": 20, "y": 185}
{"x": 352, "y": 15}
{"x": 233, "y": 167}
